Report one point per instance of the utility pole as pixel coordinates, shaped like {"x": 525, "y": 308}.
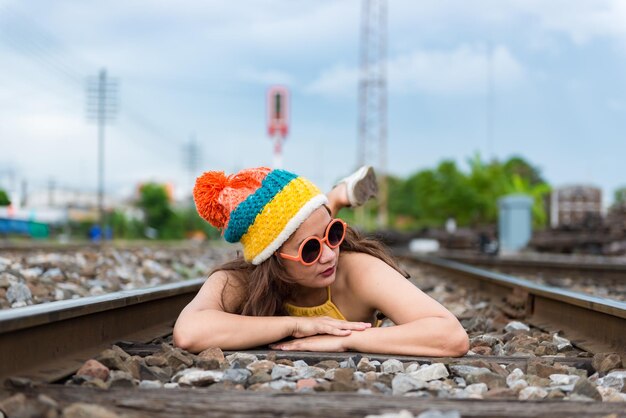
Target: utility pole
{"x": 101, "y": 108}
{"x": 490, "y": 102}
{"x": 372, "y": 143}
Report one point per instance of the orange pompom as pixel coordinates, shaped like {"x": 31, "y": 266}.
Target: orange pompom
{"x": 206, "y": 194}
{"x": 217, "y": 195}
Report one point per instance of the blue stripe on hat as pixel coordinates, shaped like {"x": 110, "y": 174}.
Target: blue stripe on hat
{"x": 246, "y": 212}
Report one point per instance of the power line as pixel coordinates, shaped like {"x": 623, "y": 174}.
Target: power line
{"x": 34, "y": 44}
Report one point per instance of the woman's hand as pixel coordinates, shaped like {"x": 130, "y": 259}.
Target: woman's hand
{"x": 305, "y": 327}
{"x": 329, "y": 343}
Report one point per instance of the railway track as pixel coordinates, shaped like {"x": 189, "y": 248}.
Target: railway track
{"x": 47, "y": 343}
{"x": 554, "y": 309}
{"x": 594, "y": 275}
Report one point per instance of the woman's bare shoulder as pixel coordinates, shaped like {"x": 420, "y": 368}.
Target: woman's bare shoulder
{"x": 354, "y": 259}
{"x": 223, "y": 290}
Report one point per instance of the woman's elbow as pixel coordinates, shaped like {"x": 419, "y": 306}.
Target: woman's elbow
{"x": 457, "y": 341}
{"x": 186, "y": 336}
{"x": 181, "y": 338}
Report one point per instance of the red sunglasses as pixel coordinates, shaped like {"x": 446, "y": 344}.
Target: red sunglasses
{"x": 311, "y": 248}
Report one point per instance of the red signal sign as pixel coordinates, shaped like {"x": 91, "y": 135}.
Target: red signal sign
{"x": 278, "y": 111}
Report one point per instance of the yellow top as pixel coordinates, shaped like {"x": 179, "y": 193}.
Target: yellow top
{"x": 327, "y": 308}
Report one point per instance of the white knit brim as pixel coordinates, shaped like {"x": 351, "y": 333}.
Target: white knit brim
{"x": 293, "y": 224}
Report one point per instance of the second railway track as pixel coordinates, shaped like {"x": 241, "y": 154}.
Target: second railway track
{"x": 46, "y": 343}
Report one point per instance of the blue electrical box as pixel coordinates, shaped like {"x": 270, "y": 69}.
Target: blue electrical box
{"x": 514, "y": 222}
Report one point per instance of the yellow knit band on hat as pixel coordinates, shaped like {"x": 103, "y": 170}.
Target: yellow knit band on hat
{"x": 280, "y": 218}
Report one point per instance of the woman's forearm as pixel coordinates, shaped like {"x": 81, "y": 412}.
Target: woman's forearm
{"x": 197, "y": 330}
{"x": 435, "y": 336}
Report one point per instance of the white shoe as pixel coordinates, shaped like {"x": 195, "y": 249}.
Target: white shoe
{"x": 361, "y": 185}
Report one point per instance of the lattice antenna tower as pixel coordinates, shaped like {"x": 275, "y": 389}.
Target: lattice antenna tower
{"x": 372, "y": 142}
{"x": 102, "y": 93}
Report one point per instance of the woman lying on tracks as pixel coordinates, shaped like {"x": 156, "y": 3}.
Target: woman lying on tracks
{"x": 305, "y": 275}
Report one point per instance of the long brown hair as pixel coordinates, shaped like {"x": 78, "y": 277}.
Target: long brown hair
{"x": 265, "y": 287}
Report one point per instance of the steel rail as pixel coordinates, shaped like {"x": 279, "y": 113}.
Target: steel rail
{"x": 586, "y": 267}
{"x": 592, "y": 323}
{"x": 48, "y": 341}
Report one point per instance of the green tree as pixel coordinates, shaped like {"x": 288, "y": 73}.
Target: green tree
{"x": 518, "y": 166}
{"x": 158, "y": 213}
{"x": 620, "y": 195}
{"x": 430, "y": 196}
{"x": 125, "y": 228}
{"x": 4, "y": 198}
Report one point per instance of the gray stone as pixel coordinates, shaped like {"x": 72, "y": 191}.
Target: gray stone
{"x": 243, "y": 358}
{"x": 7, "y": 279}
{"x": 463, "y": 371}
{"x": 300, "y": 363}
{"x": 197, "y": 377}
{"x": 563, "y": 379}
{"x": 382, "y": 388}
{"x": 402, "y": 384}
{"x": 584, "y": 387}
{"x": 516, "y": 326}
{"x": 392, "y": 366}
{"x": 309, "y": 372}
{"x": 19, "y": 293}
{"x": 561, "y": 343}
{"x": 236, "y": 375}
{"x": 615, "y": 379}
{"x": 282, "y": 385}
{"x": 279, "y": 371}
{"x": 259, "y": 377}
{"x": 531, "y": 393}
{"x": 431, "y": 372}
{"x": 476, "y": 390}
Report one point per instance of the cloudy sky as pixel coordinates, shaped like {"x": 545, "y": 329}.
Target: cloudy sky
{"x": 203, "y": 67}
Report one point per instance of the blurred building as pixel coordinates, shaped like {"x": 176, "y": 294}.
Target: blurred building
{"x": 575, "y": 207}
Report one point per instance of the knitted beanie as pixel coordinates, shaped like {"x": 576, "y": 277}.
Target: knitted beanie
{"x": 258, "y": 207}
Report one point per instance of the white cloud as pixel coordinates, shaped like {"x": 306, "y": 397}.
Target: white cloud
{"x": 462, "y": 70}
{"x": 580, "y": 20}
{"x": 339, "y": 80}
